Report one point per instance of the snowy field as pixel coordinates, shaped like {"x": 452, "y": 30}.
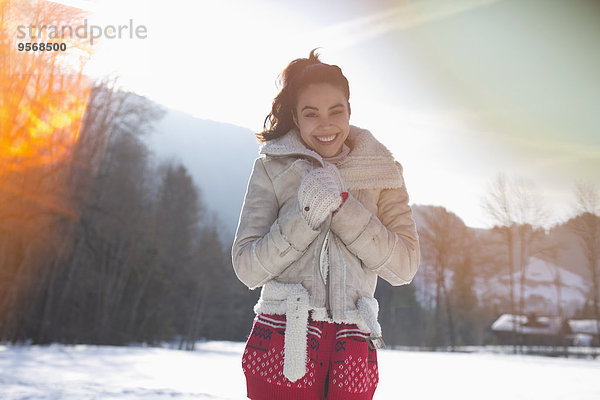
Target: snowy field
{"x": 214, "y": 372}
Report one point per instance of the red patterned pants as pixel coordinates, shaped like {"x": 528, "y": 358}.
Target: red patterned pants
{"x": 340, "y": 364}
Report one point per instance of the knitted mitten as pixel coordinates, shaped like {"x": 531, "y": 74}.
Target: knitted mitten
{"x": 319, "y": 195}
{"x": 336, "y": 174}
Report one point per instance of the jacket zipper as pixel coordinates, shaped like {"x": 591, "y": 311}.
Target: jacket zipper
{"x": 325, "y": 279}
{"x": 327, "y": 305}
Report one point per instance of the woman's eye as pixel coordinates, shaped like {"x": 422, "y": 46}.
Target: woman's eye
{"x": 311, "y": 115}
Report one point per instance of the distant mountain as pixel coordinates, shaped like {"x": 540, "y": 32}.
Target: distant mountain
{"x": 541, "y": 292}
{"x": 492, "y": 284}
{"x": 218, "y": 156}
{"x": 570, "y": 255}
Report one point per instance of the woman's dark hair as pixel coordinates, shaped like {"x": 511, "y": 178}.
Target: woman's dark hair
{"x": 294, "y": 78}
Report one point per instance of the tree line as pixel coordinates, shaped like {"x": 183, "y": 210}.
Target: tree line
{"x": 131, "y": 255}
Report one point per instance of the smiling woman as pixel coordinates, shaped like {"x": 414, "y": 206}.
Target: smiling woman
{"x": 326, "y": 213}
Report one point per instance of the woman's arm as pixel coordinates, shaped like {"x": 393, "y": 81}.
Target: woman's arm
{"x": 387, "y": 243}
{"x": 265, "y": 242}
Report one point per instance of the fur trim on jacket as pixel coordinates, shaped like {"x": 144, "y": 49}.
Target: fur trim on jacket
{"x": 369, "y": 165}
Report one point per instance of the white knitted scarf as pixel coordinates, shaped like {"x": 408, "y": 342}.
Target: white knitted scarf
{"x": 369, "y": 165}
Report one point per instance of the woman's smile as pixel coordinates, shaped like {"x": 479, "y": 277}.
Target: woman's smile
{"x": 326, "y": 139}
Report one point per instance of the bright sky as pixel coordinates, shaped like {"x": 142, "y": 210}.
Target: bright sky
{"x": 459, "y": 91}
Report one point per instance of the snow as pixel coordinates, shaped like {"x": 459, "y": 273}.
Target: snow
{"x": 587, "y": 326}
{"x": 540, "y": 290}
{"x": 214, "y": 372}
{"x": 547, "y": 325}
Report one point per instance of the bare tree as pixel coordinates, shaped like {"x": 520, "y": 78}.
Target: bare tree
{"x": 500, "y": 208}
{"x": 518, "y": 210}
{"x": 443, "y": 235}
{"x": 465, "y": 300}
{"x": 586, "y": 226}
{"x": 556, "y": 278}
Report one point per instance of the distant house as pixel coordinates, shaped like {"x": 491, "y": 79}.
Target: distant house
{"x": 584, "y": 332}
{"x": 530, "y": 330}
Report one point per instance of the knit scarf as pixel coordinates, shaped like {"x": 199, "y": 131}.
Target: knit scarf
{"x": 369, "y": 165}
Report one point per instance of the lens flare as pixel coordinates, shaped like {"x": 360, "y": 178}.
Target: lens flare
{"x": 43, "y": 100}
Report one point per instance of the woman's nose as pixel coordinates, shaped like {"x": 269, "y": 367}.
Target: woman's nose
{"x": 324, "y": 121}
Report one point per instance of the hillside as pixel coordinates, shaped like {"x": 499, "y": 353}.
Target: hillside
{"x": 492, "y": 280}
{"x": 219, "y": 157}
{"x": 540, "y": 290}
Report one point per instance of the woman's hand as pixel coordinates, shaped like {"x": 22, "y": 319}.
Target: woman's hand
{"x": 319, "y": 194}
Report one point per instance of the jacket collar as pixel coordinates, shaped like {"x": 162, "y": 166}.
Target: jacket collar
{"x": 288, "y": 145}
{"x": 369, "y": 165}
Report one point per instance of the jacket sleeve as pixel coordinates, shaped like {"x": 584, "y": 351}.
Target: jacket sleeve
{"x": 266, "y": 243}
{"x": 386, "y": 243}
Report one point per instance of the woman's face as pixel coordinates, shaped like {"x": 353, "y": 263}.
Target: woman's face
{"x": 323, "y": 118}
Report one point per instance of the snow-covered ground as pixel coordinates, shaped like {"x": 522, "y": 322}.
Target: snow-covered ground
{"x": 214, "y": 372}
